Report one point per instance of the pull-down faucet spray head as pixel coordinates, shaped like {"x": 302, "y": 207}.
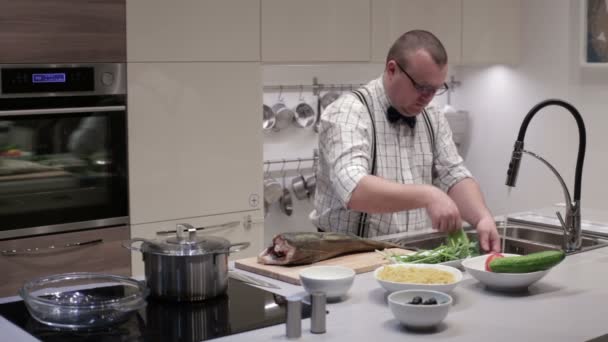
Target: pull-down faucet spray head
{"x": 572, "y": 223}
{"x": 514, "y": 163}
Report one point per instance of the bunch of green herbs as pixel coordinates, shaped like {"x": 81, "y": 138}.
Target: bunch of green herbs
{"x": 457, "y": 247}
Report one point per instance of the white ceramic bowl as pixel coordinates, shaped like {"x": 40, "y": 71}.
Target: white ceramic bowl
{"x": 334, "y": 281}
{"x": 392, "y": 286}
{"x": 419, "y": 316}
{"x": 500, "y": 281}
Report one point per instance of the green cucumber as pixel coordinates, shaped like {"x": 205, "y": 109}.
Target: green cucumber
{"x": 527, "y": 263}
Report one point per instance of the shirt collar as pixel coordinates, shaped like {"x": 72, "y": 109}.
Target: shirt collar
{"x": 378, "y": 89}
{"x": 392, "y": 115}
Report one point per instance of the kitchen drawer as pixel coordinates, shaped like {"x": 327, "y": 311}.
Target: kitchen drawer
{"x": 107, "y": 256}
{"x": 237, "y": 227}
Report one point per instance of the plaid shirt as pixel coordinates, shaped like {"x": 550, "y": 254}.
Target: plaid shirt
{"x": 404, "y": 155}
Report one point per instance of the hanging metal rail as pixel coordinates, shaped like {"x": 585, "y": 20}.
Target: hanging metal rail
{"x": 315, "y": 87}
{"x": 287, "y": 161}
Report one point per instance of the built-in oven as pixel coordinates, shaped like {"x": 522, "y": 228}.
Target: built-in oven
{"x": 63, "y": 148}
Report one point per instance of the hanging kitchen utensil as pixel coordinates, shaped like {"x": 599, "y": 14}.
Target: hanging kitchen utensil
{"x": 298, "y": 184}
{"x": 315, "y": 127}
{"x": 322, "y": 103}
{"x": 311, "y": 184}
{"x": 284, "y": 115}
{"x": 186, "y": 267}
{"x": 268, "y": 119}
{"x": 304, "y": 113}
{"x": 272, "y": 188}
{"x": 329, "y": 98}
{"x": 286, "y": 200}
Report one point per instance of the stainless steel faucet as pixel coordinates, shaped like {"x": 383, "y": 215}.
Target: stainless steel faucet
{"x": 572, "y": 224}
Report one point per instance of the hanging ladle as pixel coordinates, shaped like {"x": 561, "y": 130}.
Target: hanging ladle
{"x": 286, "y": 202}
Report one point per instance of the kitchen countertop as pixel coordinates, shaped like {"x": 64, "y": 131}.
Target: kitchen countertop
{"x": 569, "y": 304}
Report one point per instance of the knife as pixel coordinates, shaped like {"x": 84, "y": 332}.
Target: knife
{"x": 251, "y": 280}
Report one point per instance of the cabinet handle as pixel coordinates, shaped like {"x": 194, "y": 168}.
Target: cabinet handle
{"x": 27, "y": 251}
{"x": 223, "y": 225}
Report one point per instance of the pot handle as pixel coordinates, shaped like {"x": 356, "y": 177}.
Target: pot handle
{"x": 128, "y": 244}
{"x": 237, "y": 247}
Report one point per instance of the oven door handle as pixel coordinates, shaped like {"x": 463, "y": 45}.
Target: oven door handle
{"x": 62, "y": 110}
{"x": 29, "y": 251}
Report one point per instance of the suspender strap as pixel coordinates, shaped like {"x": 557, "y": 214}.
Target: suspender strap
{"x": 362, "y": 231}
{"x": 429, "y": 129}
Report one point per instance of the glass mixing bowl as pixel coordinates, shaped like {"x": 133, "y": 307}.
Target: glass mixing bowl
{"x": 83, "y": 300}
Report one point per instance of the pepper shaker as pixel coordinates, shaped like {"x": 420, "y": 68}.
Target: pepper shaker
{"x": 317, "y": 318}
{"x": 294, "y": 317}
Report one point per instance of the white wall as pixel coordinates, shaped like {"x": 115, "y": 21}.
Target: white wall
{"x": 499, "y": 97}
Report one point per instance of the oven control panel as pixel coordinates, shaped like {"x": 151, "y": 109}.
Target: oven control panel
{"x": 43, "y": 80}
{"x": 68, "y": 79}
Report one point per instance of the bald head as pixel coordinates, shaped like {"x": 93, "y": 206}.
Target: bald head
{"x": 415, "y": 40}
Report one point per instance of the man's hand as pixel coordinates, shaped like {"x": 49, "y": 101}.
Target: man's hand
{"x": 443, "y": 212}
{"x": 489, "y": 240}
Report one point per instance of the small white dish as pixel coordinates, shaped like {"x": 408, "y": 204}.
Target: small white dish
{"x": 334, "y": 281}
{"x": 392, "y": 286}
{"x": 419, "y": 316}
{"x": 500, "y": 281}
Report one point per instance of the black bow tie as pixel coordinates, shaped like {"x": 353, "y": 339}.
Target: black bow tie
{"x": 393, "y": 116}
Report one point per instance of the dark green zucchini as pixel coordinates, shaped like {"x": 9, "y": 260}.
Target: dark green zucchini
{"x": 527, "y": 263}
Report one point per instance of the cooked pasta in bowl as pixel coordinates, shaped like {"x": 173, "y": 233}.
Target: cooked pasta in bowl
{"x": 396, "y": 277}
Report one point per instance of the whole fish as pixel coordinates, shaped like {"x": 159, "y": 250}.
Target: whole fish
{"x": 305, "y": 248}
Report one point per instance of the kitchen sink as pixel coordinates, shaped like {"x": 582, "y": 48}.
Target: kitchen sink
{"x": 519, "y": 239}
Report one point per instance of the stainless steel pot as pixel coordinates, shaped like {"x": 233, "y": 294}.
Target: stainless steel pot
{"x": 186, "y": 267}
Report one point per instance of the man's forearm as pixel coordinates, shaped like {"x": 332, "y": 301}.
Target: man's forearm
{"x": 377, "y": 195}
{"x": 469, "y": 199}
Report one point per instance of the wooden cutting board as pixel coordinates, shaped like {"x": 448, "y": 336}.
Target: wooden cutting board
{"x": 359, "y": 262}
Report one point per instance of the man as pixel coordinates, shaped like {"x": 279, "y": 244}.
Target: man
{"x": 418, "y": 172}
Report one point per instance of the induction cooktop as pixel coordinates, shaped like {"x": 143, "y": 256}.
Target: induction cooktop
{"x": 242, "y": 308}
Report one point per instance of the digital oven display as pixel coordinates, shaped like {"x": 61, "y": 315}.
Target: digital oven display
{"x": 49, "y": 78}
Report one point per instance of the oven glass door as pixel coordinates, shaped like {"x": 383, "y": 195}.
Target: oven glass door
{"x": 61, "y": 166}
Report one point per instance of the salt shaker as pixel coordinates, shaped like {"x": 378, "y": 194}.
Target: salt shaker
{"x": 317, "y": 318}
{"x": 294, "y": 317}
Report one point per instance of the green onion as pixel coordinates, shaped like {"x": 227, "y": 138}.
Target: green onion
{"x": 457, "y": 247}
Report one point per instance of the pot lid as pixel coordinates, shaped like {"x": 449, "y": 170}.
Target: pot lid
{"x": 187, "y": 242}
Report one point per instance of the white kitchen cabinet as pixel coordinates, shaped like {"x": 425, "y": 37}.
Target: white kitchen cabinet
{"x": 392, "y": 18}
{"x": 195, "y": 140}
{"x": 240, "y": 229}
{"x": 491, "y": 32}
{"x": 315, "y": 30}
{"x": 193, "y": 30}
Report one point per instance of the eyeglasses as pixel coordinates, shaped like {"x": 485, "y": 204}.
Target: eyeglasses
{"x": 424, "y": 89}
